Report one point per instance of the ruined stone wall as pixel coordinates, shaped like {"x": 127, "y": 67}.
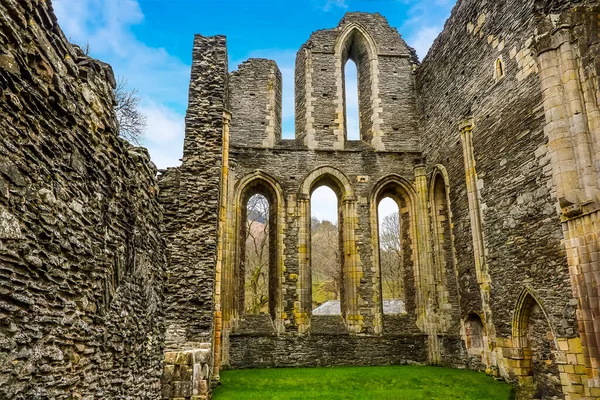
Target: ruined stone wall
{"x": 327, "y": 350}
{"x": 568, "y": 58}
{"x": 252, "y": 337}
{"x": 191, "y": 197}
{"x": 473, "y": 145}
{"x": 386, "y": 162}
{"x": 255, "y": 98}
{"x": 81, "y": 257}
{"x": 487, "y": 130}
{"x": 385, "y": 84}
{"x": 186, "y": 373}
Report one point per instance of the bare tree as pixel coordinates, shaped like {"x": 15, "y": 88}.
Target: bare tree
{"x": 86, "y": 49}
{"x": 132, "y": 123}
{"x": 391, "y": 257}
{"x": 257, "y": 255}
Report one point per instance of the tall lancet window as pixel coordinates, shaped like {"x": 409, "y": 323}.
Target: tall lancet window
{"x": 352, "y": 110}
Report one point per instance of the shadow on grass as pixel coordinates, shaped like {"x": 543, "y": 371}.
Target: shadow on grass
{"x": 381, "y": 383}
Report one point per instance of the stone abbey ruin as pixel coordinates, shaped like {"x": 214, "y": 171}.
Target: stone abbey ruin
{"x": 118, "y": 281}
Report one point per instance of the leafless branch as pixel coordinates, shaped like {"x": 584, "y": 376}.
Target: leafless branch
{"x": 132, "y": 123}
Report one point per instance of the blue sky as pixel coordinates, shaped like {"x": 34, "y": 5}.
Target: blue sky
{"x": 149, "y": 43}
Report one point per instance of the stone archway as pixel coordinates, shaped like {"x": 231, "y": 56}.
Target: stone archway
{"x": 404, "y": 194}
{"x": 233, "y": 307}
{"x": 443, "y": 241}
{"x": 344, "y": 190}
{"x": 535, "y": 348}
{"x": 356, "y": 44}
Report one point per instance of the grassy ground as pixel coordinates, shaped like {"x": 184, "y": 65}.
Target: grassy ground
{"x": 381, "y": 383}
{"x": 319, "y": 294}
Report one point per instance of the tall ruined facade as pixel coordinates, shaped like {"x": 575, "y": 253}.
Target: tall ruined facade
{"x": 489, "y": 149}
{"x": 112, "y": 279}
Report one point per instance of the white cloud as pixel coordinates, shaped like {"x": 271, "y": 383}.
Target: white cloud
{"x": 164, "y": 134}
{"x": 335, "y": 3}
{"x": 164, "y": 125}
{"x": 324, "y": 204}
{"x": 160, "y": 78}
{"x": 425, "y": 22}
{"x": 422, "y": 39}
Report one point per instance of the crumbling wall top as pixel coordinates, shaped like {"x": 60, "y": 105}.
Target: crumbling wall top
{"x": 387, "y": 39}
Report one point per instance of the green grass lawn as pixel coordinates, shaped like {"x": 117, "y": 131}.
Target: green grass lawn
{"x": 381, "y": 383}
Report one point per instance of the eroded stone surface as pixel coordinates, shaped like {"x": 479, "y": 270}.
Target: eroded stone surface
{"x": 81, "y": 255}
{"x": 490, "y": 147}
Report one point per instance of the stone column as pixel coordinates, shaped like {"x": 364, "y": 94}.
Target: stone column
{"x": 193, "y": 248}
{"x": 569, "y": 90}
{"x": 352, "y": 270}
{"x": 217, "y": 330}
{"x": 479, "y": 252}
{"x": 309, "y": 134}
{"x": 567, "y": 151}
{"x": 303, "y": 305}
{"x": 228, "y": 311}
{"x": 426, "y": 290}
{"x": 466, "y": 136}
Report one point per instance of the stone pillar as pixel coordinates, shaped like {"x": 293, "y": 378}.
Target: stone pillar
{"x": 255, "y": 103}
{"x": 479, "y": 252}
{"x": 352, "y": 269}
{"x": 466, "y": 136}
{"x": 194, "y": 317}
{"x": 426, "y": 289}
{"x": 228, "y": 310}
{"x": 303, "y": 304}
{"x": 582, "y": 240}
{"x": 217, "y": 333}
{"x": 193, "y": 248}
{"x": 568, "y": 78}
{"x": 569, "y": 151}
{"x": 306, "y": 132}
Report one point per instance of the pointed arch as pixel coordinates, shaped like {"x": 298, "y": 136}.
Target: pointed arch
{"x": 383, "y": 184}
{"x": 499, "y": 69}
{"x": 443, "y": 238}
{"x": 356, "y": 43}
{"x": 405, "y": 195}
{"x": 350, "y": 263}
{"x": 475, "y": 333}
{"x": 327, "y": 175}
{"x": 262, "y": 183}
{"x": 439, "y": 171}
{"x": 525, "y": 302}
{"x": 354, "y": 28}
{"x": 535, "y": 345}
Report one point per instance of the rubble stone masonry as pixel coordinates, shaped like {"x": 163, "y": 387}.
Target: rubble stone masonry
{"x": 82, "y": 261}
{"x": 111, "y": 278}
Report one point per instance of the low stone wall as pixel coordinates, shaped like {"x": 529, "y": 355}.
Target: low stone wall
{"x": 323, "y": 350}
{"x": 186, "y": 374}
